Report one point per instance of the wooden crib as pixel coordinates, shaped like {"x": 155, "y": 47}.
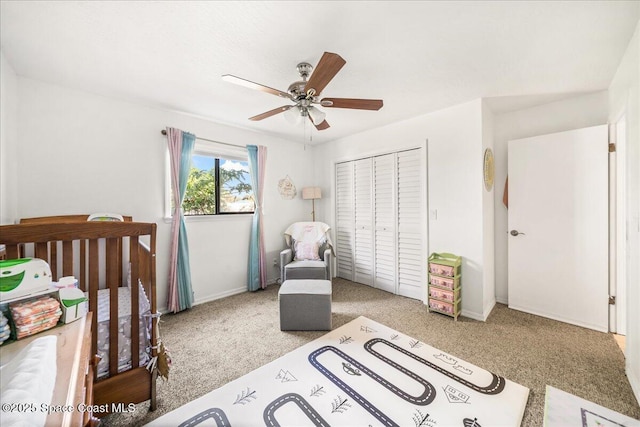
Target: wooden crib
{"x": 101, "y": 255}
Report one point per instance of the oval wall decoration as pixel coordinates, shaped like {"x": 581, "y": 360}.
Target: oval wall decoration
{"x": 488, "y": 169}
{"x": 286, "y": 188}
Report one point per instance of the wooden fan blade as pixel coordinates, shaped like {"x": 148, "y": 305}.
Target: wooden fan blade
{"x": 322, "y": 126}
{"x": 327, "y": 68}
{"x": 358, "y": 104}
{"x": 252, "y": 85}
{"x": 271, "y": 113}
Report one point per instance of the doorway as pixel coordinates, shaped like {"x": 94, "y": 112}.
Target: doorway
{"x": 558, "y": 244}
{"x": 619, "y": 239}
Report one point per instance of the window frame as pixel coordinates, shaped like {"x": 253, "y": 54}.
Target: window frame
{"x": 218, "y": 152}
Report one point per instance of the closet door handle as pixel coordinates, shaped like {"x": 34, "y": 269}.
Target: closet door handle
{"x": 515, "y": 233}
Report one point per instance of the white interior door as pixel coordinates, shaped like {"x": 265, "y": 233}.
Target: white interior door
{"x": 558, "y": 225}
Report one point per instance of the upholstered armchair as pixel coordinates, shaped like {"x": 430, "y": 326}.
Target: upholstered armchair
{"x": 309, "y": 252}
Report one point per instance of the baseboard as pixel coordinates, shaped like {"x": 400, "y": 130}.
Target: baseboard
{"x": 472, "y": 315}
{"x": 558, "y": 318}
{"x": 220, "y": 295}
{"x": 488, "y": 308}
{"x": 504, "y": 301}
{"x": 634, "y": 380}
{"x": 482, "y": 317}
{"x": 228, "y": 293}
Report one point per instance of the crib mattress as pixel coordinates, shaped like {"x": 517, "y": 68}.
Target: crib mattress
{"x": 124, "y": 330}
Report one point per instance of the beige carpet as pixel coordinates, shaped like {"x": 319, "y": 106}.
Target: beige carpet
{"x": 217, "y": 342}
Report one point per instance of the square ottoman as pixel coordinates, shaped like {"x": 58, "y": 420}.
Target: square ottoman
{"x": 305, "y": 305}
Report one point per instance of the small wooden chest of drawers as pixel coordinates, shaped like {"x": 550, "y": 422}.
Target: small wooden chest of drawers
{"x": 445, "y": 271}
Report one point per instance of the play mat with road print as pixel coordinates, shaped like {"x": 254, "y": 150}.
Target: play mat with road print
{"x": 360, "y": 374}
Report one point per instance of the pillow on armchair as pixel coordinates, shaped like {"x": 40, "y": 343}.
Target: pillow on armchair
{"x": 305, "y": 251}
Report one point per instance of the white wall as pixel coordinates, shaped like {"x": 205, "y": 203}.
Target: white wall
{"x": 82, "y": 153}
{"x": 624, "y": 98}
{"x": 572, "y": 113}
{"x": 488, "y": 220}
{"x": 455, "y": 186}
{"x": 8, "y": 141}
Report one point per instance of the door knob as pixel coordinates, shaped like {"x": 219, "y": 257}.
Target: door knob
{"x": 515, "y": 232}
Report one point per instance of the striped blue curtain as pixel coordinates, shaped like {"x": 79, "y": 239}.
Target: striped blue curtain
{"x": 257, "y": 266}
{"x": 180, "y": 290}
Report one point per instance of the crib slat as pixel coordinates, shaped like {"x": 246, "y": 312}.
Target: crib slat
{"x": 112, "y": 274}
{"x": 42, "y": 250}
{"x": 83, "y": 265}
{"x": 12, "y": 252}
{"x": 93, "y": 295}
{"x": 152, "y": 293}
{"x": 120, "y": 261}
{"x": 135, "y": 298}
{"x": 53, "y": 260}
{"x": 150, "y": 261}
{"x": 67, "y": 258}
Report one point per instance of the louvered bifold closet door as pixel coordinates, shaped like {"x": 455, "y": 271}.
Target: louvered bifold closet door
{"x": 385, "y": 222}
{"x": 410, "y": 239}
{"x": 345, "y": 220}
{"x": 363, "y": 254}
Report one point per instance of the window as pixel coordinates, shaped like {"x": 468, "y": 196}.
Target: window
{"x": 219, "y": 182}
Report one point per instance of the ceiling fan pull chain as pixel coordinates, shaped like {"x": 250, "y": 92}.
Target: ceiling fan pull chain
{"x": 304, "y": 135}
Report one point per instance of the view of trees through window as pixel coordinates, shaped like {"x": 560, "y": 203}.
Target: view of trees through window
{"x": 218, "y": 186}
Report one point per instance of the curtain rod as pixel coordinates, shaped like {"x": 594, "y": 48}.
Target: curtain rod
{"x": 164, "y": 132}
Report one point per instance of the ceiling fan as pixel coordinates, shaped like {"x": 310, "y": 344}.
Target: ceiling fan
{"x": 306, "y": 93}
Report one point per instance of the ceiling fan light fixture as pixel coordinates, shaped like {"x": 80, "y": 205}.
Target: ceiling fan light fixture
{"x": 316, "y": 114}
{"x": 293, "y": 115}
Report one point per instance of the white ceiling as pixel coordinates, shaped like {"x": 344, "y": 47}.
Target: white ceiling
{"x": 418, "y": 57}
